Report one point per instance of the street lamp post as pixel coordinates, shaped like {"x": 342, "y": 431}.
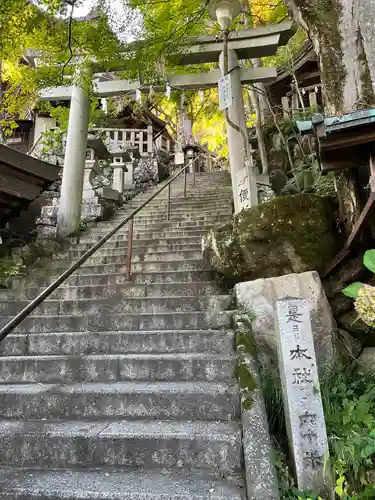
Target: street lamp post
{"x": 243, "y": 179}
{"x": 224, "y": 11}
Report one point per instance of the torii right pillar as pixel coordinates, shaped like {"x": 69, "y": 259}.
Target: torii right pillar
{"x": 245, "y": 194}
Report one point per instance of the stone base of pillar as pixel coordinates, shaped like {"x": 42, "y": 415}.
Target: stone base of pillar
{"x": 97, "y": 208}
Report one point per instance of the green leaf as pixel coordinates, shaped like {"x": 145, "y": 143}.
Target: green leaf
{"x": 368, "y": 451}
{"x": 369, "y": 260}
{"x": 352, "y": 290}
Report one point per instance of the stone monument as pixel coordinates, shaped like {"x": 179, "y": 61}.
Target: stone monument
{"x": 301, "y": 393}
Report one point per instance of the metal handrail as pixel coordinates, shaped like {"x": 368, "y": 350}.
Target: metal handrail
{"x": 26, "y": 311}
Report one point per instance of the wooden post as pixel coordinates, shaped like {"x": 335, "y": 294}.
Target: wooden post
{"x": 130, "y": 248}
{"x": 312, "y": 99}
{"x": 295, "y": 106}
{"x": 169, "y": 203}
{"x": 209, "y": 162}
{"x": 149, "y": 139}
{"x": 286, "y": 107}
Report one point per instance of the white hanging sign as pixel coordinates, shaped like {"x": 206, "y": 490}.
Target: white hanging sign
{"x": 179, "y": 158}
{"x": 225, "y": 92}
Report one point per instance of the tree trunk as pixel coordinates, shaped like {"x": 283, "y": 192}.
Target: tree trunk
{"x": 2, "y": 138}
{"x": 343, "y": 34}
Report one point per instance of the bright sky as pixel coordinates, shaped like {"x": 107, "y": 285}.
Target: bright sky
{"x": 118, "y": 18}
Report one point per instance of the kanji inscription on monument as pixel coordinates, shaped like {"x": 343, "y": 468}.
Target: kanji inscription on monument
{"x": 301, "y": 391}
{"x": 243, "y": 188}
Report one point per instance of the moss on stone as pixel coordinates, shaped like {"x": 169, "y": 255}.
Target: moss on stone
{"x": 288, "y": 234}
{"x": 367, "y": 98}
{"x": 19, "y": 259}
{"x": 245, "y": 341}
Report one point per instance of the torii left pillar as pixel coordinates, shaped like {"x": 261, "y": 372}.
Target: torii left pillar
{"x": 74, "y": 163}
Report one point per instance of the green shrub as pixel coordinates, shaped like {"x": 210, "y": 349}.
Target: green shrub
{"x": 363, "y": 294}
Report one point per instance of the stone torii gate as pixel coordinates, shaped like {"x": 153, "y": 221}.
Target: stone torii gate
{"x": 244, "y": 44}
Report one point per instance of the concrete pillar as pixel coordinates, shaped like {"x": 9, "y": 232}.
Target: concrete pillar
{"x": 295, "y": 103}
{"x": 286, "y": 108}
{"x": 158, "y": 142}
{"x": 118, "y": 177}
{"x": 209, "y": 162}
{"x": 312, "y": 99}
{"x": 92, "y": 169}
{"x": 149, "y": 140}
{"x": 236, "y": 140}
{"x": 74, "y": 163}
{"x": 129, "y": 175}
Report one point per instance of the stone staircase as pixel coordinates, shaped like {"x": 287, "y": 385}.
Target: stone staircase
{"x": 113, "y": 390}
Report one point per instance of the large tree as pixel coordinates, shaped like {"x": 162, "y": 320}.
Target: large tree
{"x": 343, "y": 34}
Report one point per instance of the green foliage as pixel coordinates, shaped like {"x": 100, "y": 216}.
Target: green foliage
{"x": 285, "y": 54}
{"x": 352, "y": 290}
{"x": 17, "y": 260}
{"x": 349, "y": 407}
{"x": 364, "y": 295}
{"x": 83, "y": 225}
{"x": 45, "y": 27}
{"x": 369, "y": 262}
{"x": 53, "y": 140}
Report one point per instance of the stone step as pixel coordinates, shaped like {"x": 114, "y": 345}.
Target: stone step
{"x": 126, "y": 291}
{"x": 97, "y": 267}
{"x": 106, "y": 484}
{"x": 118, "y": 279}
{"x": 222, "y": 205}
{"x": 131, "y": 342}
{"x": 190, "y": 235}
{"x": 176, "y": 212}
{"x": 142, "y": 253}
{"x": 165, "y": 224}
{"x": 211, "y": 446}
{"x": 210, "y": 199}
{"x": 138, "y": 256}
{"x": 120, "y": 304}
{"x": 181, "y": 216}
{"x": 177, "y": 193}
{"x": 142, "y": 243}
{"x": 186, "y": 216}
{"x": 123, "y": 322}
{"x": 202, "y": 186}
{"x": 171, "y": 367}
{"x": 213, "y": 201}
{"x": 127, "y": 400}
{"x": 153, "y": 233}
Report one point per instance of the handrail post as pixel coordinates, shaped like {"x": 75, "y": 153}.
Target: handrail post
{"x": 130, "y": 248}
{"x": 194, "y": 166}
{"x": 169, "y": 203}
{"x": 185, "y": 180}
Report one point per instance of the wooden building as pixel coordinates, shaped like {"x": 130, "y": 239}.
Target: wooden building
{"x": 304, "y": 70}
{"x": 22, "y": 180}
